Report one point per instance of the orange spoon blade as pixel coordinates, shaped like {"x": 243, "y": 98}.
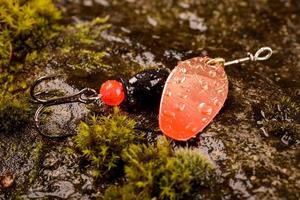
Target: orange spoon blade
{"x": 193, "y": 95}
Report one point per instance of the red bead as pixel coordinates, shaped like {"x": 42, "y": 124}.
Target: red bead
{"x": 112, "y": 93}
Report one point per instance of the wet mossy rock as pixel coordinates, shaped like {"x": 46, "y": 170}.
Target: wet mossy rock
{"x": 80, "y": 50}
{"x": 15, "y": 113}
{"x": 25, "y": 25}
{"x": 280, "y": 119}
{"x": 113, "y": 146}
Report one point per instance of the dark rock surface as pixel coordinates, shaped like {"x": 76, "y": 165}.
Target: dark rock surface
{"x": 254, "y": 139}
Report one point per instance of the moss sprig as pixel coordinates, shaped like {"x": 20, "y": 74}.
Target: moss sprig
{"x": 38, "y": 152}
{"x": 199, "y": 165}
{"x": 14, "y": 113}
{"x": 102, "y": 139}
{"x": 25, "y": 25}
{"x": 84, "y": 34}
{"x": 161, "y": 172}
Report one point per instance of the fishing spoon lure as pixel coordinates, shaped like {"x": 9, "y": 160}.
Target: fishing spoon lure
{"x": 189, "y": 96}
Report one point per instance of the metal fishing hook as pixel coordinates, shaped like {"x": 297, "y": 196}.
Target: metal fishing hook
{"x": 86, "y": 96}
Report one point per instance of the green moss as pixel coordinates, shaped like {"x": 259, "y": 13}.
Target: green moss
{"x": 31, "y": 57}
{"x": 82, "y": 62}
{"x": 200, "y": 165}
{"x": 37, "y": 156}
{"x": 111, "y": 144}
{"x": 21, "y": 16}
{"x": 102, "y": 140}
{"x": 24, "y": 25}
{"x": 84, "y": 34}
{"x": 10, "y": 83}
{"x": 77, "y": 49}
{"x": 160, "y": 172}
{"x": 14, "y": 113}
{"x": 142, "y": 167}
{"x": 291, "y": 107}
{"x": 5, "y": 48}
{"x": 125, "y": 192}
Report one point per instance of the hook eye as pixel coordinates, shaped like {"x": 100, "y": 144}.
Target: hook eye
{"x": 88, "y": 95}
{"x": 259, "y": 55}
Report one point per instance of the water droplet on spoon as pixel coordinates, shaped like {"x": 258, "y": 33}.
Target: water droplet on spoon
{"x": 212, "y": 73}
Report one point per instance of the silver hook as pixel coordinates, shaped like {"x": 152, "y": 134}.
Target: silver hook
{"x": 258, "y": 56}
{"x": 86, "y": 96}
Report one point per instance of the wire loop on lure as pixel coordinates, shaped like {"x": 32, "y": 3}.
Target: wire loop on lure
{"x": 258, "y": 56}
{"x": 86, "y": 96}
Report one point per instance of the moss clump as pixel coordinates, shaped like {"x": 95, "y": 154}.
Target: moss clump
{"x": 14, "y": 113}
{"x": 24, "y": 25}
{"x": 10, "y": 83}
{"x": 199, "y": 165}
{"x": 93, "y": 58}
{"x": 112, "y": 145}
{"x": 37, "y": 157}
{"x": 102, "y": 140}
{"x": 81, "y": 62}
{"x": 160, "y": 172}
{"x": 77, "y": 49}
{"x": 84, "y": 34}
{"x": 152, "y": 169}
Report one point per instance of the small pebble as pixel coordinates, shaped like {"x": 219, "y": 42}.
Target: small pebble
{"x": 6, "y": 180}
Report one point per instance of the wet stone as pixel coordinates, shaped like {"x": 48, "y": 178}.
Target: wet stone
{"x": 50, "y": 160}
{"x": 6, "y": 180}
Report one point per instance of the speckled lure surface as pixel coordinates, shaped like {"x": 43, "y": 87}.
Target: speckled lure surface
{"x": 190, "y": 96}
{"x": 193, "y": 95}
